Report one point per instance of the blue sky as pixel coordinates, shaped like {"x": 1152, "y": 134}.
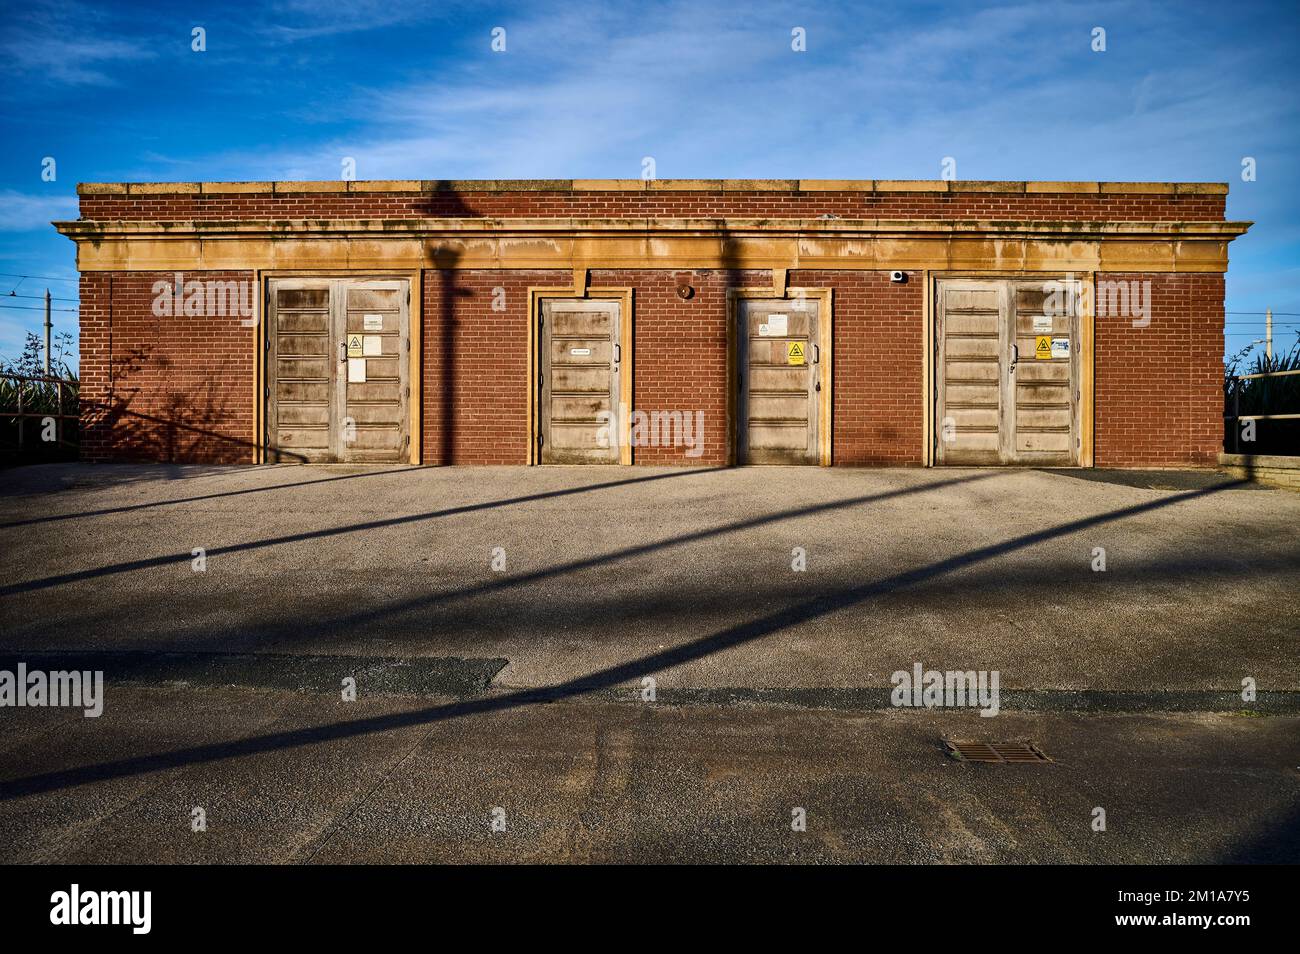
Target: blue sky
{"x": 286, "y": 90}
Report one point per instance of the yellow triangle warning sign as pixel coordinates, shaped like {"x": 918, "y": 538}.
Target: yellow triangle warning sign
{"x": 1043, "y": 346}
{"x": 794, "y": 352}
{"x": 355, "y": 349}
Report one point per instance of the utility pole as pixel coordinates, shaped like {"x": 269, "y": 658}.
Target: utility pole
{"x": 47, "y": 332}
{"x": 1268, "y": 333}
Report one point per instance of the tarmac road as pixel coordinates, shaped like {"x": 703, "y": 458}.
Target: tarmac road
{"x": 417, "y": 779}
{"x": 689, "y": 571}
{"x": 517, "y": 688}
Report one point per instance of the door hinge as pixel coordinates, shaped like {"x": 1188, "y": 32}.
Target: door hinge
{"x": 540, "y": 439}
{"x": 268, "y": 391}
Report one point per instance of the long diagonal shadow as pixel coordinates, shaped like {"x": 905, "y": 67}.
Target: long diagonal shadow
{"x": 130, "y": 508}
{"x": 149, "y": 562}
{"x": 394, "y": 608}
{"x": 601, "y": 679}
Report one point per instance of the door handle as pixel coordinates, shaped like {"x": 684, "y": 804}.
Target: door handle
{"x": 343, "y": 352}
{"x": 618, "y": 354}
{"x": 1015, "y": 358}
{"x": 817, "y": 354}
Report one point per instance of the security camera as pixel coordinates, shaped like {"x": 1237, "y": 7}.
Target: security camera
{"x": 898, "y": 276}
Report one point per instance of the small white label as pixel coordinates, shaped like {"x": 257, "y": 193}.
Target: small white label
{"x": 373, "y": 323}
{"x": 778, "y": 325}
{"x": 1042, "y": 324}
{"x": 356, "y": 370}
{"x": 372, "y": 345}
{"x": 1060, "y": 347}
{"x": 581, "y": 351}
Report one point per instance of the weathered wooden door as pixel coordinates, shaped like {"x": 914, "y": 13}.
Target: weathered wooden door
{"x": 580, "y": 361}
{"x": 374, "y": 391}
{"x": 1006, "y": 366}
{"x": 778, "y": 375}
{"x": 300, "y": 368}
{"x": 338, "y": 368}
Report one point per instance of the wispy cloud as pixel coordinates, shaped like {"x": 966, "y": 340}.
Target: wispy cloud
{"x": 23, "y": 212}
{"x": 68, "y": 43}
{"x": 1011, "y": 92}
{"x": 296, "y": 20}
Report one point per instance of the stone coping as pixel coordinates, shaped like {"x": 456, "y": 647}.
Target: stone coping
{"x": 651, "y": 185}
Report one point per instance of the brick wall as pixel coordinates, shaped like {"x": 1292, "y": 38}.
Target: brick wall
{"x": 858, "y": 205}
{"x": 1159, "y": 388}
{"x": 181, "y": 388}
{"x": 878, "y": 365}
{"x": 475, "y": 365}
{"x": 680, "y": 353}
{"x": 162, "y": 388}
{"x": 680, "y": 361}
{"x": 476, "y": 359}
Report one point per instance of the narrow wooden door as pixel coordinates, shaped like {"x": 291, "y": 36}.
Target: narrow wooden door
{"x": 778, "y": 376}
{"x": 301, "y": 371}
{"x": 374, "y": 391}
{"x": 580, "y": 361}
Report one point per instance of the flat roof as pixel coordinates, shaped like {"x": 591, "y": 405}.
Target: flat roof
{"x": 285, "y": 187}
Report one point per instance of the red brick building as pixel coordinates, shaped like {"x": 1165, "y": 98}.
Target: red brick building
{"x": 625, "y": 321}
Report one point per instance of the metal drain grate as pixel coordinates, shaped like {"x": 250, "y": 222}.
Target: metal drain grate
{"x": 1000, "y": 752}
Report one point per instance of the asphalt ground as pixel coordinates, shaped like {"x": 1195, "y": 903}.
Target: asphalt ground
{"x": 684, "y": 575}
{"x": 518, "y": 694}
{"x": 293, "y": 777}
